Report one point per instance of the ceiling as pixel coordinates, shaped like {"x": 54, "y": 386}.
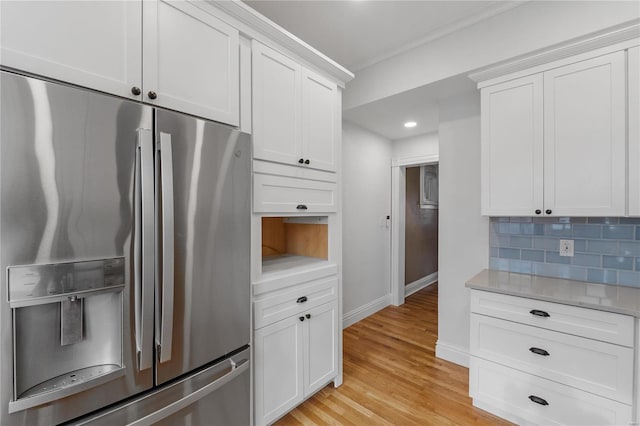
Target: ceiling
{"x": 359, "y": 33}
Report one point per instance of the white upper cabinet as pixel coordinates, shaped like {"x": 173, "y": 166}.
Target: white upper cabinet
{"x": 584, "y": 138}
{"x": 294, "y": 112}
{"x": 553, "y": 143}
{"x": 319, "y": 104}
{"x": 168, "y": 53}
{"x": 512, "y": 147}
{"x": 96, "y": 44}
{"x": 190, "y": 61}
{"x": 634, "y": 130}
{"x": 276, "y": 106}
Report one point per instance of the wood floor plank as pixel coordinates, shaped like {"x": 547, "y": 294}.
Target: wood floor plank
{"x": 392, "y": 377}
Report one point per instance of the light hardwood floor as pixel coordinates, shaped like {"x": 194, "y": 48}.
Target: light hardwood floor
{"x": 392, "y": 377}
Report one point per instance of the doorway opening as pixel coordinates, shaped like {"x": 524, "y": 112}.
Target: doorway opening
{"x": 407, "y": 278}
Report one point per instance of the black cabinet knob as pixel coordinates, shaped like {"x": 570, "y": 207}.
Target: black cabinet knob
{"x": 308, "y": 316}
{"x": 301, "y": 161}
{"x": 301, "y": 318}
{"x": 301, "y": 299}
{"x": 301, "y": 207}
{"x": 136, "y": 90}
{"x": 152, "y": 94}
{"x": 538, "y": 400}
{"x": 548, "y": 211}
{"x": 307, "y": 162}
{"x": 538, "y": 211}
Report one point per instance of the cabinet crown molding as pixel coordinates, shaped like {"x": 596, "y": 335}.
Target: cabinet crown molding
{"x": 250, "y": 17}
{"x": 618, "y": 34}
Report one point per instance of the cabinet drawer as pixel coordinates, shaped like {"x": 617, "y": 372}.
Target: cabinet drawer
{"x": 294, "y": 301}
{"x": 601, "y": 368}
{"x": 281, "y": 194}
{"x": 590, "y": 323}
{"x": 505, "y": 391}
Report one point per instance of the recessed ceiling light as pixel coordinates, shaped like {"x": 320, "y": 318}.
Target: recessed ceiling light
{"x": 410, "y": 124}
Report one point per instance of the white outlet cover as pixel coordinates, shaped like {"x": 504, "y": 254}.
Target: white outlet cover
{"x": 566, "y": 248}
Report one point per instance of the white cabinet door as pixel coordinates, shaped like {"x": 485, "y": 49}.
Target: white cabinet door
{"x": 278, "y": 369}
{"x": 191, "y": 61}
{"x": 512, "y": 181}
{"x": 584, "y": 138}
{"x": 319, "y": 139}
{"x": 320, "y": 346}
{"x": 276, "y": 106}
{"x": 633, "y": 79}
{"x": 96, "y": 44}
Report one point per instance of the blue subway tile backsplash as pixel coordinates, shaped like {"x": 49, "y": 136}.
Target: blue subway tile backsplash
{"x": 606, "y": 249}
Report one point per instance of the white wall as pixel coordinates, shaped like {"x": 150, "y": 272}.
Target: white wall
{"x": 532, "y": 26}
{"x": 463, "y": 234}
{"x": 366, "y": 189}
{"x": 416, "y": 146}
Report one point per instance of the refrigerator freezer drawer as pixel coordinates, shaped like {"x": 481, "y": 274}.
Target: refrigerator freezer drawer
{"x": 219, "y": 394}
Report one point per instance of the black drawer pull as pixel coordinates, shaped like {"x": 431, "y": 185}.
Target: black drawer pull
{"x": 539, "y": 313}
{"x": 539, "y": 351}
{"x": 538, "y": 400}
{"x": 301, "y": 299}
{"x": 301, "y": 318}
{"x": 308, "y": 316}
{"x": 301, "y": 207}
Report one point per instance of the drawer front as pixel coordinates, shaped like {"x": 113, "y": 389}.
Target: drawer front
{"x": 501, "y": 390}
{"x": 282, "y": 194}
{"x": 590, "y": 323}
{"x": 294, "y": 301}
{"x": 601, "y": 368}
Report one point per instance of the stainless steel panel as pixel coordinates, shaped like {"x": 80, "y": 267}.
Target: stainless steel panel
{"x": 37, "y": 284}
{"x": 211, "y": 185}
{"x": 66, "y": 194}
{"x": 217, "y": 395}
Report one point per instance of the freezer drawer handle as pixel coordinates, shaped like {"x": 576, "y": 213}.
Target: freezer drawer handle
{"x": 538, "y": 400}
{"x": 234, "y": 370}
{"x": 301, "y": 207}
{"x": 539, "y": 313}
{"x": 166, "y": 321}
{"x": 301, "y": 299}
{"x": 539, "y": 351}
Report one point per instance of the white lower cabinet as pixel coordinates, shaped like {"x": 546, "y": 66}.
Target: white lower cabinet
{"x": 297, "y": 355}
{"x": 278, "y": 369}
{"x": 537, "y": 362}
{"x": 528, "y": 399}
{"x": 320, "y": 347}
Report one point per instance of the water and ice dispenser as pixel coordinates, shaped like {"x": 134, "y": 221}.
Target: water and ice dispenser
{"x": 67, "y": 328}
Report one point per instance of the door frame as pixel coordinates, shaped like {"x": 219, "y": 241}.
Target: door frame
{"x": 398, "y": 200}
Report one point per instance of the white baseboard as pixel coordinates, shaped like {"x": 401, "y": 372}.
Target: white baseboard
{"x": 452, "y": 353}
{"x": 364, "y": 311}
{"x": 417, "y": 285}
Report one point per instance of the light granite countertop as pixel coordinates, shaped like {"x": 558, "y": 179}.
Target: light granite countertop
{"x": 604, "y": 297}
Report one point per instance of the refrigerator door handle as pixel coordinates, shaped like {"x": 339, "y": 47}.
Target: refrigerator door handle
{"x": 144, "y": 249}
{"x": 228, "y": 375}
{"x": 166, "y": 321}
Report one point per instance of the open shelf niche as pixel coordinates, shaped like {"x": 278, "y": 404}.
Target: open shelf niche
{"x": 294, "y": 242}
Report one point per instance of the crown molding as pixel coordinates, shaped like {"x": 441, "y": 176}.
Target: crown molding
{"x": 621, "y": 33}
{"x": 267, "y": 28}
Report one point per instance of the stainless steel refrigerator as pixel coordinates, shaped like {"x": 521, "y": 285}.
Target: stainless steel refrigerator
{"x": 124, "y": 234}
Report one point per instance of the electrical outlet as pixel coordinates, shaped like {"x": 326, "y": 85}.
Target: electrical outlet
{"x": 566, "y": 248}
